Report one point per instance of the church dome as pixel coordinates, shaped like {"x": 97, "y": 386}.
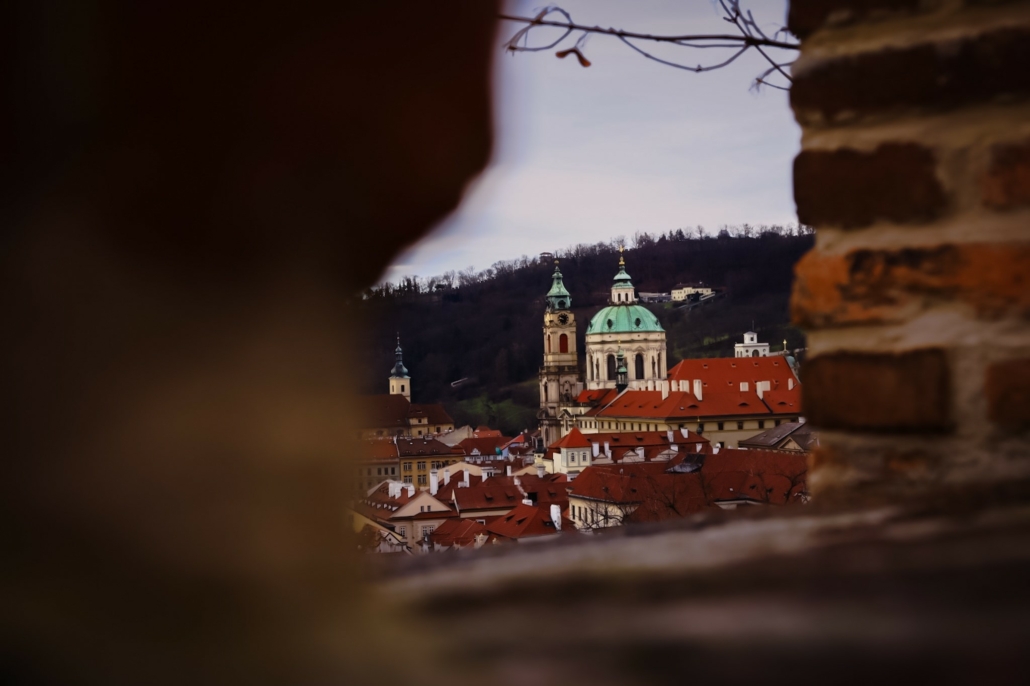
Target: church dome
{"x": 624, "y": 319}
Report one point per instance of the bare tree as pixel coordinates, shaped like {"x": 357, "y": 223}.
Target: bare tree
{"x": 748, "y": 36}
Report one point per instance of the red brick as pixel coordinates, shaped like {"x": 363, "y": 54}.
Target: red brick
{"x": 1007, "y": 182}
{"x": 875, "y": 286}
{"x": 902, "y": 392}
{"x": 1007, "y": 389}
{"x": 974, "y": 69}
{"x": 850, "y": 188}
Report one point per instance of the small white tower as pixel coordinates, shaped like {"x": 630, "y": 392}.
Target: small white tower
{"x": 400, "y": 382}
{"x": 751, "y": 347}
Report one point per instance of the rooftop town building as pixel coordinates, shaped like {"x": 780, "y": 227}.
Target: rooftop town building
{"x": 625, "y": 385}
{"x": 394, "y": 414}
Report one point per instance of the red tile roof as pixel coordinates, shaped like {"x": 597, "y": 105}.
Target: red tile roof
{"x": 503, "y": 492}
{"x": 622, "y": 443}
{"x": 526, "y": 521}
{"x": 395, "y": 411}
{"x": 458, "y": 532}
{"x": 724, "y": 371}
{"x": 377, "y": 450}
{"x": 655, "y": 494}
{"x": 434, "y": 413}
{"x": 425, "y": 445}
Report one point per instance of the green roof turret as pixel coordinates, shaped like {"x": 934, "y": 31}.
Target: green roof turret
{"x": 558, "y": 298}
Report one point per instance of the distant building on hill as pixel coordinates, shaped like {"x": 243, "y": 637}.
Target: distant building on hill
{"x": 682, "y": 291}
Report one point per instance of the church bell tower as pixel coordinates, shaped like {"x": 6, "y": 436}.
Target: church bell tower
{"x": 400, "y": 381}
{"x": 559, "y": 376}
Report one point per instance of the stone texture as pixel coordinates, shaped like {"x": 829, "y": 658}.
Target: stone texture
{"x": 1006, "y": 184}
{"x": 807, "y": 16}
{"x": 871, "y": 286}
{"x": 1007, "y": 390}
{"x": 883, "y": 392}
{"x": 851, "y": 188}
{"x": 941, "y": 76}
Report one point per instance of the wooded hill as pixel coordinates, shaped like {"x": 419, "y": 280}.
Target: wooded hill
{"x": 486, "y": 326}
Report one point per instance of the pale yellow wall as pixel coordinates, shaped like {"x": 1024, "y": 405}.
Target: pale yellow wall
{"x": 589, "y": 514}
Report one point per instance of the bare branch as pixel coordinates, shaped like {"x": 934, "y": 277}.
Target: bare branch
{"x": 750, "y": 36}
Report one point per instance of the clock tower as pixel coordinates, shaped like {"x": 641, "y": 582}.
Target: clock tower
{"x": 559, "y": 376}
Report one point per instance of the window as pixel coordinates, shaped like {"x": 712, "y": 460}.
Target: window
{"x": 421, "y": 479}
{"x": 402, "y": 531}
{"x": 740, "y": 425}
{"x": 611, "y": 367}
{"x": 379, "y": 471}
{"x": 761, "y": 423}
{"x": 720, "y": 426}
{"x": 407, "y": 466}
{"x": 700, "y": 427}
{"x": 393, "y": 470}
{"x": 776, "y": 422}
{"x": 422, "y": 466}
{"x": 402, "y": 388}
{"x": 407, "y": 479}
{"x": 426, "y": 530}
{"x": 638, "y": 365}
{"x": 563, "y": 343}
{"x": 420, "y": 432}
{"x": 437, "y": 429}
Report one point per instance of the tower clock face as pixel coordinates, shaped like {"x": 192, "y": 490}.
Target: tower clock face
{"x": 563, "y": 319}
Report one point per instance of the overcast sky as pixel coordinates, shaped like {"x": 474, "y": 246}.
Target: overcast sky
{"x": 586, "y": 154}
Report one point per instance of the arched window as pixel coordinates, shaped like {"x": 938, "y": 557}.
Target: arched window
{"x": 548, "y": 343}
{"x": 563, "y": 343}
{"x": 654, "y": 367}
{"x": 754, "y": 353}
{"x": 638, "y": 364}
{"x": 611, "y": 367}
{"x": 597, "y": 369}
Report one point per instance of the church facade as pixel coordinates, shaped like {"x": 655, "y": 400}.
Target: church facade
{"x": 625, "y": 348}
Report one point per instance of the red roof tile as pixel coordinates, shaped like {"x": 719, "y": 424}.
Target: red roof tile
{"x": 526, "y": 521}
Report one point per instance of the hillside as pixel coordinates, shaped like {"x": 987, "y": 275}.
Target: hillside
{"x": 486, "y": 327}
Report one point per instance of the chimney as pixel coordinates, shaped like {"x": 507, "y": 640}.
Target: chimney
{"x": 743, "y": 386}
{"x": 465, "y": 481}
{"x": 761, "y": 387}
{"x": 685, "y": 432}
{"x": 556, "y": 517}
{"x": 540, "y": 471}
{"x": 699, "y": 447}
{"x": 596, "y": 447}
{"x": 391, "y": 489}
{"x": 697, "y": 389}
{"x": 668, "y": 435}
{"x": 411, "y": 490}
{"x": 507, "y": 470}
{"x": 665, "y": 389}
{"x": 433, "y": 484}
{"x": 446, "y": 475}
{"x": 715, "y": 449}
{"x": 790, "y": 384}
{"x": 527, "y": 501}
{"x": 607, "y": 449}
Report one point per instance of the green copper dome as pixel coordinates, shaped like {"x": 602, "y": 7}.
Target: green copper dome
{"x": 624, "y": 319}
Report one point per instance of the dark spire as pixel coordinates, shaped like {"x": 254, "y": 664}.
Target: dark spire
{"x": 399, "y": 370}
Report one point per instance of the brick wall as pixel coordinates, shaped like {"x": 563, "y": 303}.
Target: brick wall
{"x": 915, "y": 169}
